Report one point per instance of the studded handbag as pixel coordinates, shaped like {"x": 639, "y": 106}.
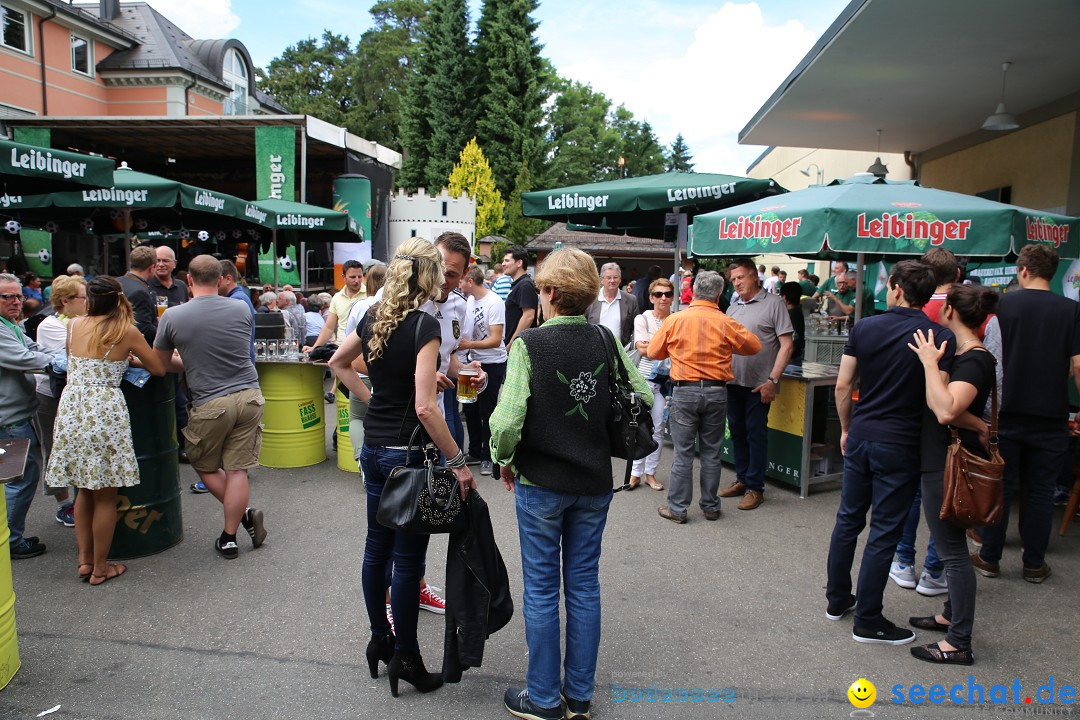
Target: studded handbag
{"x": 422, "y": 500}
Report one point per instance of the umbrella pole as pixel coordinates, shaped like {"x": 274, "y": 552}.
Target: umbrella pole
{"x": 860, "y": 261}
{"x": 273, "y": 237}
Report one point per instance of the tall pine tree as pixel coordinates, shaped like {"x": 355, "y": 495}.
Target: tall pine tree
{"x": 510, "y": 72}
{"x": 679, "y": 157}
{"x": 451, "y": 99}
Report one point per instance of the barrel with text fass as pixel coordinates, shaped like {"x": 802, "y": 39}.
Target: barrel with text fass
{"x": 294, "y": 431}
{"x": 9, "y": 642}
{"x": 149, "y": 518}
{"x": 345, "y": 459}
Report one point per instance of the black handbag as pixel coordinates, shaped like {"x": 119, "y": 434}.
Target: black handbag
{"x": 421, "y": 500}
{"x": 630, "y": 424}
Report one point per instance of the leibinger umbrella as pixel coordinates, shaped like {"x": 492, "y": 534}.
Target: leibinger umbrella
{"x": 298, "y": 222}
{"x": 640, "y": 203}
{"x": 879, "y": 217}
{"x": 32, "y": 170}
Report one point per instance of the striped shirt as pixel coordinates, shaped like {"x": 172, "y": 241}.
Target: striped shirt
{"x": 501, "y": 286}
{"x": 700, "y": 340}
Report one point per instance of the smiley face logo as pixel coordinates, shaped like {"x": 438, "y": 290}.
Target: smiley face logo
{"x": 862, "y": 693}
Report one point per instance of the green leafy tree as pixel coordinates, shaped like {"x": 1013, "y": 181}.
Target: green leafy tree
{"x": 581, "y": 145}
{"x": 639, "y": 148}
{"x": 511, "y": 77}
{"x": 385, "y": 57}
{"x": 472, "y": 176}
{"x": 518, "y": 227}
{"x": 679, "y": 157}
{"x": 315, "y": 77}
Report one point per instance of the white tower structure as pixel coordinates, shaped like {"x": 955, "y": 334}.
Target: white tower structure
{"x": 428, "y": 216}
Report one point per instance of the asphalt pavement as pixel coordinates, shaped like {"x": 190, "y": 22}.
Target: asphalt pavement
{"x": 733, "y": 608}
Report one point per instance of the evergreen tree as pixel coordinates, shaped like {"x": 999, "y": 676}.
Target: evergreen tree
{"x": 511, "y": 76}
{"x": 472, "y": 176}
{"x": 640, "y": 148}
{"x": 519, "y": 229}
{"x": 450, "y": 94}
{"x": 679, "y": 158}
{"x": 582, "y": 147}
{"x": 315, "y": 77}
{"x": 385, "y": 57}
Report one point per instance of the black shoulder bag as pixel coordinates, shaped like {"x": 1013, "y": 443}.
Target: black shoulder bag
{"x": 421, "y": 500}
{"x": 630, "y": 424}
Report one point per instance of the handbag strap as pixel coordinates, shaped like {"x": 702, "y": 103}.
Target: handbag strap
{"x": 412, "y": 396}
{"x": 993, "y": 402}
{"x": 613, "y": 358}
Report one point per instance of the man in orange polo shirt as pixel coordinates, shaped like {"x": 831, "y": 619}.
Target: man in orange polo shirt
{"x": 700, "y": 341}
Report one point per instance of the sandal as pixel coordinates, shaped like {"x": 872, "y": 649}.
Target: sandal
{"x": 114, "y": 571}
{"x": 652, "y": 482}
{"x": 634, "y": 482}
{"x": 85, "y": 576}
{"x": 927, "y": 623}
{"x": 933, "y": 654}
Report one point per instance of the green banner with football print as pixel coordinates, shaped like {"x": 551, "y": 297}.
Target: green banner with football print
{"x": 275, "y": 178}
{"x": 37, "y": 249}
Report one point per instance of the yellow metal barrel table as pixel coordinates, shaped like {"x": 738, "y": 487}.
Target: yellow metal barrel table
{"x": 294, "y": 425}
{"x": 12, "y": 463}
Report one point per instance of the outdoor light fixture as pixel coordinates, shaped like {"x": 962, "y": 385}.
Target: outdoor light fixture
{"x": 1001, "y": 119}
{"x": 820, "y": 172}
{"x": 878, "y": 169}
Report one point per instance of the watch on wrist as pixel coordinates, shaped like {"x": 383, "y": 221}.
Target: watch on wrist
{"x": 774, "y": 381}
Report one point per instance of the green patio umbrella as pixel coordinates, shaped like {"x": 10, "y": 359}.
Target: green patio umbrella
{"x": 300, "y": 222}
{"x": 878, "y": 217}
{"x": 640, "y": 203}
{"x": 32, "y": 170}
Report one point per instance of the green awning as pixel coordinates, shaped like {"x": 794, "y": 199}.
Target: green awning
{"x": 32, "y": 170}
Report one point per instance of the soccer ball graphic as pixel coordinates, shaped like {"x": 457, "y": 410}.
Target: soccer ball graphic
{"x": 237, "y": 234}
{"x": 285, "y": 263}
{"x": 12, "y": 226}
{"x": 140, "y": 224}
{"x": 116, "y": 214}
{"x": 184, "y": 235}
{"x": 51, "y": 227}
{"x": 44, "y": 256}
{"x": 203, "y": 236}
{"x": 219, "y": 235}
{"x": 164, "y": 230}
{"x": 87, "y": 224}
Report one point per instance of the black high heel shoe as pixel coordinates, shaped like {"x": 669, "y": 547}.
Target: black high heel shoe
{"x": 380, "y": 647}
{"x": 410, "y": 668}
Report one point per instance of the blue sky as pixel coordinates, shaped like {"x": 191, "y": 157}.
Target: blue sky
{"x": 699, "y": 68}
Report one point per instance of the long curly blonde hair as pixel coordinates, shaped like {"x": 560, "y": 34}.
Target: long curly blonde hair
{"x": 414, "y": 276}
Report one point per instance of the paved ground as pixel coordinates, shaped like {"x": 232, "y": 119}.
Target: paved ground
{"x": 735, "y": 605}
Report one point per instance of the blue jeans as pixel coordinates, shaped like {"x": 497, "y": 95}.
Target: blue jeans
{"x": 20, "y": 493}
{"x": 453, "y": 419}
{"x": 694, "y": 411}
{"x": 882, "y": 476}
{"x": 405, "y": 551}
{"x": 557, "y": 529}
{"x": 1034, "y": 451}
{"x": 905, "y": 549}
{"x": 748, "y": 419}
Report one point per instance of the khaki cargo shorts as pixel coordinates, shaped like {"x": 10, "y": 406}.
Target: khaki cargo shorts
{"x": 226, "y": 432}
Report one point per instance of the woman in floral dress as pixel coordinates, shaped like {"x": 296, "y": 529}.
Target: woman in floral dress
{"x": 92, "y": 447}
{"x": 549, "y": 434}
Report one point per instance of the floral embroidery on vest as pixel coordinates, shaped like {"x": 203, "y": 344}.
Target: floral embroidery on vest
{"x": 582, "y": 390}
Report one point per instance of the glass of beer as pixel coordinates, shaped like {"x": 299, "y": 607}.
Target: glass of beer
{"x": 466, "y": 393}
{"x": 162, "y": 305}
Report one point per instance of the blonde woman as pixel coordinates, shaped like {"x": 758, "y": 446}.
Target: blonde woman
{"x": 93, "y": 450}
{"x": 68, "y": 298}
{"x": 399, "y": 347}
{"x": 662, "y": 294}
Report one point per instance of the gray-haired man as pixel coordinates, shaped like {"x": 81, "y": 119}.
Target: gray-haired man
{"x": 615, "y": 309}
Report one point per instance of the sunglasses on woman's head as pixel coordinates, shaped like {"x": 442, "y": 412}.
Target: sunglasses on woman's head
{"x": 663, "y": 293}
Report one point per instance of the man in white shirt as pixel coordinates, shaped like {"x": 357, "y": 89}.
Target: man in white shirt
{"x": 615, "y": 309}
{"x": 484, "y": 342}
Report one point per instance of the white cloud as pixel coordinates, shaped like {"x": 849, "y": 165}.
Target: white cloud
{"x": 707, "y": 87}
{"x": 201, "y": 19}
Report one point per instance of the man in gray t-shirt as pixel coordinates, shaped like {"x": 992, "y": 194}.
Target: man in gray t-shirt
{"x": 212, "y": 335}
{"x": 757, "y": 380}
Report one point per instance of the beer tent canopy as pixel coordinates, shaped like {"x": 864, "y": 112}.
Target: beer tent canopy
{"x": 32, "y": 170}
{"x": 640, "y": 203}
{"x": 874, "y": 216}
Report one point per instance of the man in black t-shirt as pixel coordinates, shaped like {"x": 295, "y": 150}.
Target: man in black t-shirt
{"x": 524, "y": 298}
{"x": 1040, "y": 334}
{"x": 880, "y": 441}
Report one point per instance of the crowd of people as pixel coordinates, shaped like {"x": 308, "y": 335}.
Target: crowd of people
{"x": 411, "y": 333}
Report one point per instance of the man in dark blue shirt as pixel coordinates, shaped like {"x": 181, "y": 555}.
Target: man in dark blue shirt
{"x": 880, "y": 444}
{"x": 229, "y": 288}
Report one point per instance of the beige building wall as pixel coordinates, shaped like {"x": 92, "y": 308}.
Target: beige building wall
{"x": 1034, "y": 161}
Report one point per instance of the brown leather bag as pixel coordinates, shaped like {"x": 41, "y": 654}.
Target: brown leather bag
{"x": 974, "y": 492}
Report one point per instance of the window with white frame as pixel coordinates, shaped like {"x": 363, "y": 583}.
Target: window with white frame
{"x": 15, "y": 28}
{"x": 235, "y": 74}
{"x": 81, "y": 51}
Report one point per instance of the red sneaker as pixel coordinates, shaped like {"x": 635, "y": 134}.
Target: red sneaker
{"x": 390, "y": 618}
{"x": 430, "y": 600}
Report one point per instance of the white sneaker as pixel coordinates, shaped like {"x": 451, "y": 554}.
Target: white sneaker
{"x": 903, "y": 575}
{"x": 931, "y": 586}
